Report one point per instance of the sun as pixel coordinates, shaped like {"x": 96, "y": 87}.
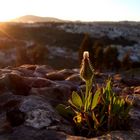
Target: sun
{"x": 9, "y": 10}
{"x": 5, "y": 18}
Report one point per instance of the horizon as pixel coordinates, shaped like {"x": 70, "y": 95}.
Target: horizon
{"x": 63, "y": 20}
{"x": 79, "y": 10}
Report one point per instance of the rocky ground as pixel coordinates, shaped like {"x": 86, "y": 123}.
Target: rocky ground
{"x": 63, "y": 40}
{"x": 30, "y": 93}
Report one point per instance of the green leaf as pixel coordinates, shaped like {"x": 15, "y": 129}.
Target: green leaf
{"x": 95, "y": 99}
{"x": 72, "y": 105}
{"x": 102, "y": 118}
{"x": 108, "y": 90}
{"x": 96, "y": 124}
{"x": 65, "y": 111}
{"x": 88, "y": 102}
{"x": 76, "y": 99}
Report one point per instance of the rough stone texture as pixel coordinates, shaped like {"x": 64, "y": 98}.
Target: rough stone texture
{"x": 14, "y": 83}
{"x": 59, "y": 75}
{"x": 35, "y": 115}
{"x": 137, "y": 90}
{"x": 131, "y": 81}
{"x": 27, "y": 133}
{"x": 40, "y": 114}
{"x": 38, "y": 118}
{"x": 75, "y": 78}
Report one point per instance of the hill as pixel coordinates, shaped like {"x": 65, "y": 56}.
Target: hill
{"x": 32, "y": 19}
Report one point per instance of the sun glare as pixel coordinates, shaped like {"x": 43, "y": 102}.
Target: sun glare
{"x": 86, "y": 10}
{"x": 11, "y": 9}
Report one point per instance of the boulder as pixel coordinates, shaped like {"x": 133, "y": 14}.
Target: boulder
{"x": 59, "y": 75}
{"x": 33, "y": 117}
{"x": 27, "y": 133}
{"x": 9, "y": 101}
{"x": 16, "y": 84}
{"x": 75, "y": 78}
{"x": 131, "y": 81}
{"x": 28, "y": 66}
{"x": 43, "y": 69}
{"x": 15, "y": 117}
{"x": 25, "y": 72}
{"x": 137, "y": 90}
{"x": 40, "y": 114}
{"x": 55, "y": 94}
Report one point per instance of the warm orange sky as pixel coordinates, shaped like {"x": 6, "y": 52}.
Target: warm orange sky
{"x": 85, "y": 10}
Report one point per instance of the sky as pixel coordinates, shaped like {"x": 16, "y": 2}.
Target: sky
{"x": 83, "y": 10}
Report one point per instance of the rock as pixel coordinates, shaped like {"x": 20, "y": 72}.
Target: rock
{"x": 135, "y": 112}
{"x": 37, "y": 82}
{"x": 131, "y": 81}
{"x": 72, "y": 86}
{"x": 3, "y": 84}
{"x": 9, "y": 101}
{"x": 5, "y": 71}
{"x": 40, "y": 114}
{"x": 25, "y": 72}
{"x": 15, "y": 117}
{"x": 117, "y": 90}
{"x": 127, "y": 91}
{"x": 11, "y": 104}
{"x": 135, "y": 118}
{"x": 121, "y": 135}
{"x": 43, "y": 69}
{"x": 137, "y": 90}
{"x": 74, "y": 78}
{"x": 55, "y": 94}
{"x": 5, "y": 126}
{"x": 28, "y": 133}
{"x": 136, "y": 98}
{"x": 59, "y": 75}
{"x": 16, "y": 72}
{"x": 114, "y": 135}
{"x": 16, "y": 84}
{"x": 117, "y": 77}
{"x": 29, "y": 67}
{"x": 38, "y": 118}
{"x": 42, "y": 82}
{"x": 34, "y": 117}
{"x": 55, "y": 76}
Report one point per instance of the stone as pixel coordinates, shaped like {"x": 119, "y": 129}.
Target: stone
{"x": 16, "y": 72}
{"x": 27, "y": 133}
{"x": 42, "y": 70}
{"x": 38, "y": 82}
{"x": 137, "y": 90}
{"x": 28, "y": 66}
{"x": 131, "y": 81}
{"x": 9, "y": 101}
{"x": 16, "y": 84}
{"x": 40, "y": 114}
{"x": 25, "y": 72}
{"x": 38, "y": 118}
{"x": 34, "y": 116}
{"x": 15, "y": 117}
{"x": 5, "y": 71}
{"x": 5, "y": 126}
{"x": 54, "y": 94}
{"x": 127, "y": 91}
{"x": 74, "y": 78}
{"x": 59, "y": 75}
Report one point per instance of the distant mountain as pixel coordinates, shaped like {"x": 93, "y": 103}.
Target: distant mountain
{"x": 32, "y": 18}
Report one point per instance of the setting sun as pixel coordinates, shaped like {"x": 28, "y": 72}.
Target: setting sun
{"x": 9, "y": 10}
{"x": 85, "y": 10}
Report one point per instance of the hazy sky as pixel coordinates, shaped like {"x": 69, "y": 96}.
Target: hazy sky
{"x": 85, "y": 10}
